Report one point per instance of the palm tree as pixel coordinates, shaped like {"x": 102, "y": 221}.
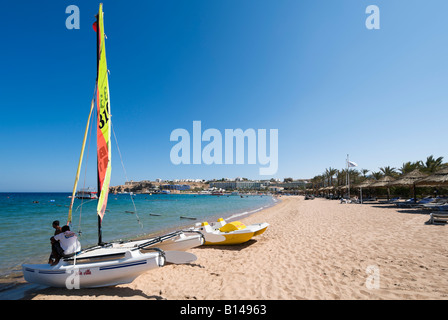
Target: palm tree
{"x": 353, "y": 175}
{"x": 364, "y": 172}
{"x": 326, "y": 176}
{"x": 340, "y": 177}
{"x": 410, "y": 166}
{"x": 377, "y": 175}
{"x": 330, "y": 172}
{"x": 432, "y": 165}
{"x": 388, "y": 171}
{"x": 316, "y": 182}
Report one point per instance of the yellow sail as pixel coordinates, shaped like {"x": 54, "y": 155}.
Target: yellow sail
{"x": 103, "y": 119}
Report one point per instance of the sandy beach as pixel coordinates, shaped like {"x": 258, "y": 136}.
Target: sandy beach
{"x": 313, "y": 249}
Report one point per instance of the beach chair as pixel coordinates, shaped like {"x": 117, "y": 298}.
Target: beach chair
{"x": 440, "y": 218}
{"x": 391, "y": 201}
{"x": 405, "y": 204}
{"x": 411, "y": 204}
{"x": 438, "y": 204}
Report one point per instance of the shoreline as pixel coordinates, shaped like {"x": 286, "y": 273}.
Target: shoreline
{"x": 313, "y": 250}
{"x": 14, "y": 287}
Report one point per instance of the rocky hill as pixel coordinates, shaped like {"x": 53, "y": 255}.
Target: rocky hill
{"x": 152, "y": 186}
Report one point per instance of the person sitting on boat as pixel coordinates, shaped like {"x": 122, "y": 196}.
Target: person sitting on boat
{"x": 57, "y": 228}
{"x": 57, "y": 231}
{"x": 66, "y": 244}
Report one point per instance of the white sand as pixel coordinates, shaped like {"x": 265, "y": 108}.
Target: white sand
{"x": 314, "y": 249}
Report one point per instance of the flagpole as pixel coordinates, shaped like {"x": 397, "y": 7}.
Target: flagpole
{"x": 348, "y": 178}
{"x": 346, "y": 174}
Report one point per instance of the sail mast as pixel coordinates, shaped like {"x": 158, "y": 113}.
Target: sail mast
{"x": 103, "y": 123}
{"x": 96, "y": 27}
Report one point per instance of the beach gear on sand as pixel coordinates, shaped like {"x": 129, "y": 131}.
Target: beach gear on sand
{"x": 223, "y": 233}
{"x": 438, "y": 218}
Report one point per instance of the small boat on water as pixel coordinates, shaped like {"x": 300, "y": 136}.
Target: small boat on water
{"x": 187, "y": 217}
{"x": 86, "y": 194}
{"x": 113, "y": 263}
{"x": 223, "y": 233}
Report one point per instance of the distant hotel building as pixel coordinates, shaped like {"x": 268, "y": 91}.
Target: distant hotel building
{"x": 180, "y": 187}
{"x": 247, "y": 184}
{"x": 237, "y": 184}
{"x": 233, "y": 185}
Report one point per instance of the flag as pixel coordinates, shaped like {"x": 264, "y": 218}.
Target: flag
{"x": 352, "y": 164}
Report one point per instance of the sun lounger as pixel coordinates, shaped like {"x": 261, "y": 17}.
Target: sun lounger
{"x": 393, "y": 200}
{"x": 405, "y": 204}
{"x": 411, "y": 204}
{"x": 435, "y": 204}
{"x": 438, "y": 218}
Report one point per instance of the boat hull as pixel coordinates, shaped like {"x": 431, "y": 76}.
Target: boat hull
{"x": 93, "y": 274}
{"x": 231, "y": 238}
{"x": 261, "y": 231}
{"x": 181, "y": 243}
{"x": 178, "y": 241}
{"x": 234, "y": 237}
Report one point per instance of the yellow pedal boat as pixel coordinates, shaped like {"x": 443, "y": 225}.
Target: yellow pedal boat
{"x": 223, "y": 233}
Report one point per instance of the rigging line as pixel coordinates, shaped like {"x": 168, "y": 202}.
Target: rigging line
{"x": 125, "y": 175}
{"x": 87, "y": 162}
{"x": 90, "y": 200}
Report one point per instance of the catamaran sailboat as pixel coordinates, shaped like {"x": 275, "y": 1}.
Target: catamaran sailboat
{"x": 113, "y": 263}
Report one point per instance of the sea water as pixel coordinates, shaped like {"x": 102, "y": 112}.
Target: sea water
{"x": 26, "y": 219}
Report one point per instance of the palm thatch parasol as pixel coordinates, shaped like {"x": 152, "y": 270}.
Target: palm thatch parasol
{"x": 440, "y": 178}
{"x": 383, "y": 182}
{"x": 409, "y": 179}
{"x": 364, "y": 184}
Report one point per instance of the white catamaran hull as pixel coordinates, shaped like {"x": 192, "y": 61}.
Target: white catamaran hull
{"x": 116, "y": 263}
{"x": 177, "y": 241}
{"x": 93, "y": 274}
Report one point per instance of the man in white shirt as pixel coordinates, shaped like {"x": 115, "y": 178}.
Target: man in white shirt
{"x": 68, "y": 242}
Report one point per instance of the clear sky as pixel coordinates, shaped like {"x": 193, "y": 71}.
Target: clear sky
{"x": 310, "y": 69}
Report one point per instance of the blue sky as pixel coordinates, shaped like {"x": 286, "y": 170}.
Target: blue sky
{"x": 310, "y": 69}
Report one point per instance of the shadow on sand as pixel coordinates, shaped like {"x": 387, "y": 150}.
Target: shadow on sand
{"x": 92, "y": 292}
{"x": 235, "y": 247}
{"x": 404, "y": 210}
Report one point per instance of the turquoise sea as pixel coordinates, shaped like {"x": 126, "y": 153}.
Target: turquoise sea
{"x": 26, "y": 218}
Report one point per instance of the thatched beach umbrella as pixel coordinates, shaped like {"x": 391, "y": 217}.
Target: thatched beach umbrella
{"x": 383, "y": 182}
{"x": 440, "y": 178}
{"x": 409, "y": 179}
{"x": 364, "y": 184}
